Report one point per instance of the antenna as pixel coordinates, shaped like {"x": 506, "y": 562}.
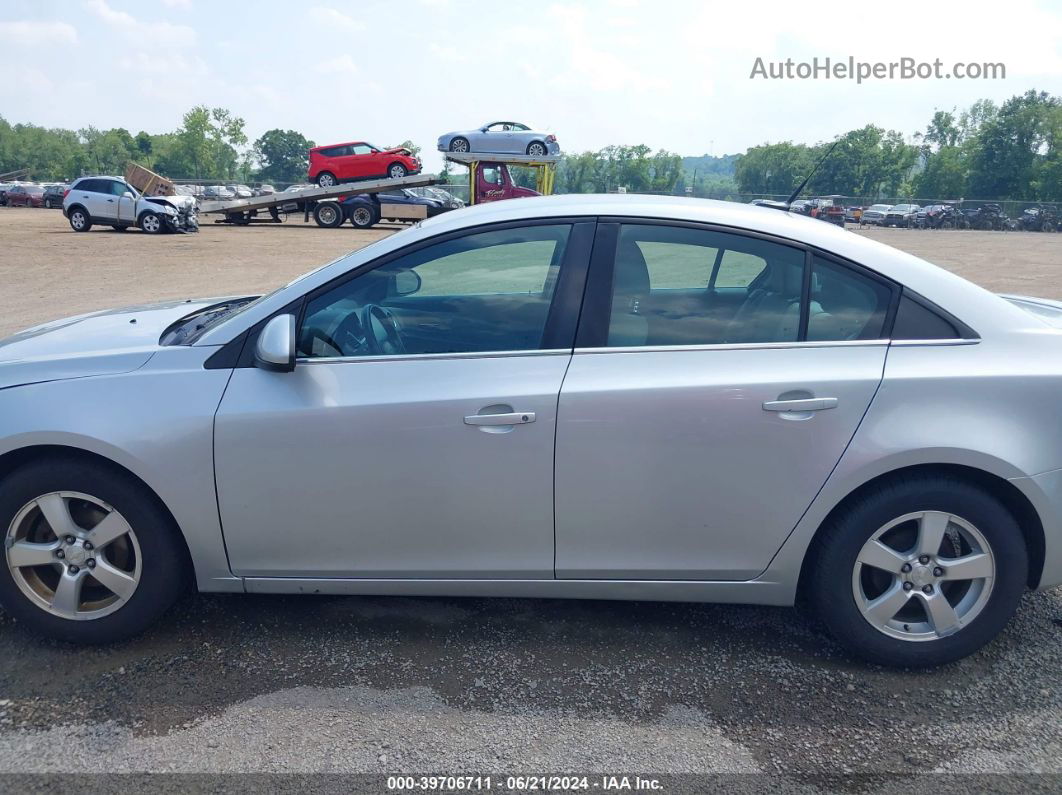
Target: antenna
{"x": 802, "y": 185}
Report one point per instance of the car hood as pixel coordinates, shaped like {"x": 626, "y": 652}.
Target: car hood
{"x": 98, "y": 343}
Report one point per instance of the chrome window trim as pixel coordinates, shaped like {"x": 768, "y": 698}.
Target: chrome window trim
{"x": 405, "y": 357}
{"x": 923, "y": 343}
{"x": 739, "y": 346}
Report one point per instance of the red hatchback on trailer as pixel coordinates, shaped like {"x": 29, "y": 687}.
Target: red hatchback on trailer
{"x": 335, "y": 163}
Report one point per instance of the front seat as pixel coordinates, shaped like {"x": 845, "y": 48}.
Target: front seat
{"x": 630, "y": 290}
{"x": 771, "y": 313}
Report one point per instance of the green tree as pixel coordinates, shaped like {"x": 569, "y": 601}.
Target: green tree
{"x": 282, "y": 155}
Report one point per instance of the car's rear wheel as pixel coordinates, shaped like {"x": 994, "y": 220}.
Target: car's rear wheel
{"x": 397, "y": 171}
{"x": 89, "y": 555}
{"x": 152, "y": 223}
{"x": 328, "y": 214}
{"x": 459, "y": 144}
{"x": 326, "y": 179}
{"x": 536, "y": 149}
{"x": 79, "y": 219}
{"x": 363, "y": 217}
{"x": 922, "y": 571}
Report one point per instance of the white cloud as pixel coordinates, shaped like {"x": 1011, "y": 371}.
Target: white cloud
{"x": 32, "y": 33}
{"x": 342, "y": 65}
{"x": 161, "y": 34}
{"x": 178, "y": 3}
{"x": 334, "y": 19}
{"x": 447, "y": 53}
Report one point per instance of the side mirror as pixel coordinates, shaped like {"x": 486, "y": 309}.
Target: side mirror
{"x": 275, "y": 349}
{"x": 407, "y": 282}
{"x": 128, "y": 193}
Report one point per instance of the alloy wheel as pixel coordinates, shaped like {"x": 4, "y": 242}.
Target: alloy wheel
{"x": 923, "y": 576}
{"x": 73, "y": 555}
{"x": 151, "y": 224}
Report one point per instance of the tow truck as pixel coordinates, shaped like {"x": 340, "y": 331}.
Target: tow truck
{"x": 489, "y": 178}
{"x": 314, "y": 202}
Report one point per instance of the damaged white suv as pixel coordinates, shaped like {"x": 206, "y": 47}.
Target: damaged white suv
{"x": 114, "y": 202}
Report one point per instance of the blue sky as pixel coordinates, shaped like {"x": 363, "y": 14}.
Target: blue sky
{"x": 669, "y": 74}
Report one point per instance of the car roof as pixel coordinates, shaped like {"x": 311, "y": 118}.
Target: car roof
{"x": 973, "y": 304}
{"x": 330, "y": 146}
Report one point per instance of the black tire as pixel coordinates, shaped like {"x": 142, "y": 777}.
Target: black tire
{"x": 326, "y": 179}
{"x": 80, "y": 220}
{"x": 363, "y": 217}
{"x": 328, "y": 214}
{"x": 396, "y": 171}
{"x": 459, "y": 144}
{"x": 47, "y": 204}
{"x": 164, "y": 562}
{"x": 152, "y": 223}
{"x": 537, "y": 149}
{"x": 830, "y": 579}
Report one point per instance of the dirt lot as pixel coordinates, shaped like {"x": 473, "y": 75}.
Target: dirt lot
{"x": 48, "y": 271}
{"x": 384, "y": 685}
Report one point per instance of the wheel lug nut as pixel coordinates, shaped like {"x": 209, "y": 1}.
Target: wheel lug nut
{"x": 923, "y": 559}
{"x": 938, "y": 572}
{"x": 927, "y": 589}
{"x": 88, "y": 545}
{"x": 906, "y": 568}
{"x": 908, "y": 586}
{"x": 91, "y": 563}
{"x": 60, "y": 554}
{"x": 70, "y": 539}
{"x": 73, "y": 569}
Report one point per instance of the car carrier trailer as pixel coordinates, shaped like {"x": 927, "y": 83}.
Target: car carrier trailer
{"x": 309, "y": 200}
{"x": 489, "y": 178}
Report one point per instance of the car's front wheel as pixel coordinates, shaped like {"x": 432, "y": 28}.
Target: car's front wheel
{"x": 459, "y": 144}
{"x": 79, "y": 220}
{"x": 397, "y": 171}
{"x": 152, "y": 223}
{"x": 922, "y": 571}
{"x": 89, "y": 555}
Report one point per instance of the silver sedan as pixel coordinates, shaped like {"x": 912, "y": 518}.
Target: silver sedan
{"x": 501, "y": 137}
{"x": 607, "y": 397}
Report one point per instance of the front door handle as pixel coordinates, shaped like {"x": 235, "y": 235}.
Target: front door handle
{"x": 804, "y": 404}
{"x": 515, "y": 418}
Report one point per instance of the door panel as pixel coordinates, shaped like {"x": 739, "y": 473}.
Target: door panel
{"x": 368, "y": 469}
{"x": 668, "y": 466}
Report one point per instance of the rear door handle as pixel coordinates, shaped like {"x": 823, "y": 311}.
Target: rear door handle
{"x": 515, "y": 418}
{"x": 805, "y": 404}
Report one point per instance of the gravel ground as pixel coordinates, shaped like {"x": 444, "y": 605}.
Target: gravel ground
{"x": 391, "y": 685}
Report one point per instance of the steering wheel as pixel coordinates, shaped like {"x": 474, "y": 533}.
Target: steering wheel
{"x": 382, "y": 332}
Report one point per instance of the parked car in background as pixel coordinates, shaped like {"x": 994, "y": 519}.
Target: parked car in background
{"x": 53, "y": 196}
{"x": 501, "y": 137}
{"x": 296, "y": 187}
{"x": 4, "y": 188}
{"x": 433, "y": 192}
{"x": 801, "y": 206}
{"x": 114, "y": 202}
{"x": 901, "y": 215}
{"x": 829, "y": 209}
{"x": 265, "y": 190}
{"x": 853, "y": 214}
{"x": 218, "y": 192}
{"x": 336, "y": 163}
{"x": 25, "y": 196}
{"x": 874, "y": 214}
{"x": 241, "y": 191}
